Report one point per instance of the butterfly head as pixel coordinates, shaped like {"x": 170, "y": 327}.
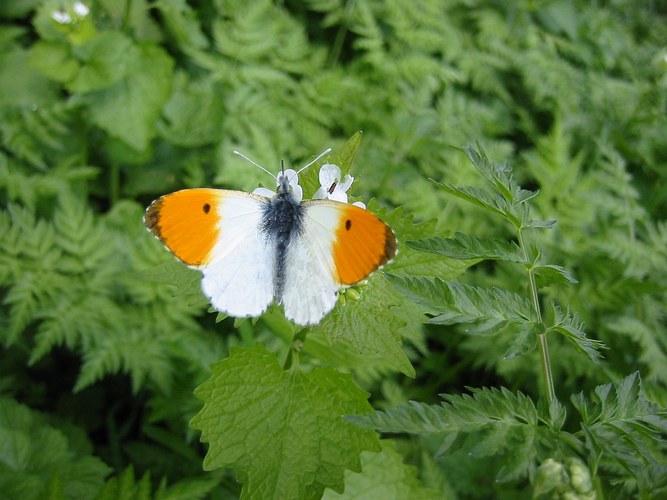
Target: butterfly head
{"x": 288, "y": 183}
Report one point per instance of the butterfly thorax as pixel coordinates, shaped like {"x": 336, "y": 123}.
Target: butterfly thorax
{"x": 282, "y": 220}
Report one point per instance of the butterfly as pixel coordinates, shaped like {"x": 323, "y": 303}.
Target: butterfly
{"x": 256, "y": 249}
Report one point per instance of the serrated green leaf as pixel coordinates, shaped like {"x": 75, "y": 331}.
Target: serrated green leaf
{"x": 542, "y": 224}
{"x": 281, "y": 431}
{"x": 549, "y": 274}
{"x": 411, "y": 262}
{"x": 384, "y": 475}
{"x": 523, "y": 341}
{"x": 483, "y": 199}
{"x": 126, "y": 487}
{"x": 622, "y": 427}
{"x": 370, "y": 323}
{"x": 465, "y": 246}
{"x": 573, "y": 330}
{"x": 502, "y": 422}
{"x": 129, "y": 109}
{"x": 463, "y": 413}
{"x": 455, "y": 302}
{"x": 499, "y": 175}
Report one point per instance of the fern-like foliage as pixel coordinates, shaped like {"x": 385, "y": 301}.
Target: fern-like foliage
{"x": 494, "y": 310}
{"x": 510, "y": 424}
{"x": 504, "y": 424}
{"x": 67, "y": 284}
{"x": 620, "y": 431}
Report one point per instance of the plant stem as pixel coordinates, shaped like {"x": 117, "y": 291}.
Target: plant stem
{"x": 114, "y": 183}
{"x": 544, "y": 346}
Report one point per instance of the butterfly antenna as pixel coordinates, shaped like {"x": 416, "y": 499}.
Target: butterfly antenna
{"x": 323, "y": 153}
{"x": 237, "y": 153}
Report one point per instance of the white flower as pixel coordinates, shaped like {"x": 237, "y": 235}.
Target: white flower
{"x": 293, "y": 178}
{"x": 81, "y": 9}
{"x": 331, "y": 187}
{"x": 61, "y": 17}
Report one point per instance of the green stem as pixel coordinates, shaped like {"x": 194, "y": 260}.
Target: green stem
{"x": 114, "y": 183}
{"x": 337, "y": 46}
{"x": 294, "y": 349}
{"x": 544, "y": 346}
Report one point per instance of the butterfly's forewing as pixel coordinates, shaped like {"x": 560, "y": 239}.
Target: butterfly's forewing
{"x": 218, "y": 232}
{"x": 187, "y": 222}
{"x": 340, "y": 245}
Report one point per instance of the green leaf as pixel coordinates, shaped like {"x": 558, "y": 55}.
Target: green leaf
{"x": 281, "y": 431}
{"x": 623, "y": 428}
{"x": 409, "y": 261}
{"x": 21, "y": 85}
{"x": 129, "y": 109}
{"x": 104, "y": 61}
{"x": 54, "y": 60}
{"x": 499, "y": 175}
{"x": 194, "y": 114}
{"x": 486, "y": 406}
{"x": 455, "y": 302}
{"x": 369, "y": 318}
{"x": 506, "y": 425}
{"x": 465, "y": 246}
{"x": 542, "y": 224}
{"x": 550, "y": 274}
{"x": 182, "y": 23}
{"x": 573, "y": 330}
{"x": 126, "y": 487}
{"x": 483, "y": 199}
{"x": 36, "y": 460}
{"x": 384, "y": 475}
{"x": 523, "y": 341}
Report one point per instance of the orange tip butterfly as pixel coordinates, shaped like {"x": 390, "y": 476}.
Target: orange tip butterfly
{"x": 262, "y": 247}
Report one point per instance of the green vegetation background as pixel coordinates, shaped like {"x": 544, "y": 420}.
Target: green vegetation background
{"x": 104, "y": 338}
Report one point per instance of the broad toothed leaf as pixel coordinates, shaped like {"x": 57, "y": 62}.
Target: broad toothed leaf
{"x": 281, "y": 431}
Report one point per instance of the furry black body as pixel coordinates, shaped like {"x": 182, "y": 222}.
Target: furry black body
{"x": 282, "y": 220}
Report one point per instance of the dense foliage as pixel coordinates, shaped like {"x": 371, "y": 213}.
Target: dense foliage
{"x": 517, "y": 345}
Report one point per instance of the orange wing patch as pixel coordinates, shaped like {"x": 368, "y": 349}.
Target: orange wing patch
{"x": 363, "y": 243}
{"x": 187, "y": 222}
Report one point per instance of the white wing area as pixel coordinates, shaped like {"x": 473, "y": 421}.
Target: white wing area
{"x": 310, "y": 287}
{"x": 239, "y": 278}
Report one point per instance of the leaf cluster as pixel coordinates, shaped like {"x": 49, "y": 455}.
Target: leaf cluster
{"x": 621, "y": 434}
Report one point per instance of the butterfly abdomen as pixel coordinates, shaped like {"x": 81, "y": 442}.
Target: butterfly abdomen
{"x": 282, "y": 220}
